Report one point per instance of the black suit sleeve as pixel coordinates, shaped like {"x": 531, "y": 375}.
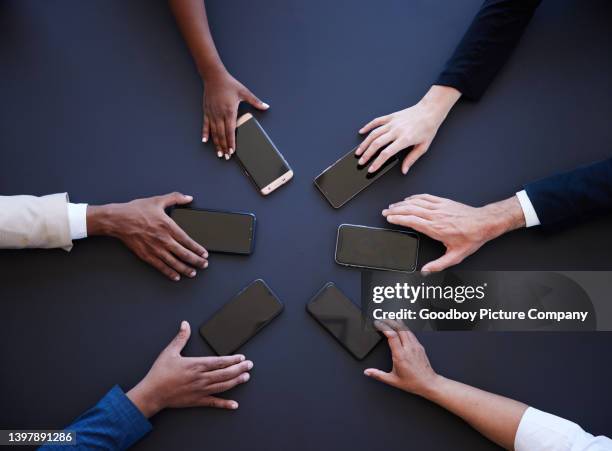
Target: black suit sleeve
{"x": 579, "y": 194}
{"x": 487, "y": 44}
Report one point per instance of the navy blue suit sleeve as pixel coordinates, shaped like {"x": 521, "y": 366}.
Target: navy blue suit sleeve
{"x": 112, "y": 424}
{"x": 487, "y": 44}
{"x": 576, "y": 195}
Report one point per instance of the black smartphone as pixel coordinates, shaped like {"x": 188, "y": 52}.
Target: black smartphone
{"x": 373, "y": 248}
{"x": 218, "y": 231}
{"x": 346, "y": 178}
{"x": 241, "y": 318}
{"x": 343, "y": 319}
{"x": 259, "y": 157}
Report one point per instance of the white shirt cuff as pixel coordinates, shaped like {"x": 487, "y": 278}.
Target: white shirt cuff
{"x": 531, "y": 217}
{"x": 77, "y": 219}
{"x": 539, "y": 431}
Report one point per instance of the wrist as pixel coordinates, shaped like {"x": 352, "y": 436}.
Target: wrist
{"x": 213, "y": 72}
{"x": 503, "y": 217}
{"x": 440, "y": 99}
{"x": 144, "y": 399}
{"x": 100, "y": 219}
{"x": 432, "y": 387}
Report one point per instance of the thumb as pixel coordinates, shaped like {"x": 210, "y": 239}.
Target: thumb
{"x": 379, "y": 375}
{"x": 413, "y": 156}
{"x": 447, "y": 260}
{"x": 178, "y": 343}
{"x": 175, "y": 198}
{"x": 254, "y": 101}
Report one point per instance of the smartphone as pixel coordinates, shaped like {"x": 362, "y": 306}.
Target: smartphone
{"x": 343, "y": 319}
{"x": 218, "y": 231}
{"x": 372, "y": 248}
{"x": 346, "y": 178}
{"x": 259, "y": 157}
{"x": 253, "y": 308}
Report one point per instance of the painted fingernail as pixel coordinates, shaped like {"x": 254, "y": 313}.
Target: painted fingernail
{"x": 183, "y": 325}
{"x": 219, "y": 153}
{"x": 231, "y": 151}
{"x": 384, "y": 212}
{"x": 361, "y": 161}
{"x": 250, "y": 365}
{"x": 205, "y": 265}
{"x": 234, "y": 405}
{"x": 176, "y": 278}
{"x": 192, "y": 274}
{"x": 205, "y": 254}
{"x": 265, "y": 105}
{"x": 205, "y": 139}
{"x": 242, "y": 357}
{"x": 367, "y": 372}
{"x": 246, "y": 377}
{"x": 371, "y": 169}
{"x": 227, "y": 156}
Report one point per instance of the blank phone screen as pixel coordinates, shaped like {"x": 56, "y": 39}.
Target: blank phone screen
{"x": 377, "y": 248}
{"x": 217, "y": 231}
{"x": 346, "y": 178}
{"x": 241, "y": 318}
{"x": 343, "y": 320}
{"x": 258, "y": 155}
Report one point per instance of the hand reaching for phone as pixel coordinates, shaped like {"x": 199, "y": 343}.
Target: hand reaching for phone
{"x": 145, "y": 228}
{"x": 176, "y": 381}
{"x": 222, "y": 95}
{"x": 461, "y": 228}
{"x": 415, "y": 126}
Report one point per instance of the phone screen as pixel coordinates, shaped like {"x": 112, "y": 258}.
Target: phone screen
{"x": 346, "y": 177}
{"x": 241, "y": 318}
{"x": 258, "y": 155}
{"x": 217, "y": 231}
{"x": 343, "y": 320}
{"x": 373, "y": 248}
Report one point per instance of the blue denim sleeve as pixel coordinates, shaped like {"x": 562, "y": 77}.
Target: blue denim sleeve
{"x": 112, "y": 424}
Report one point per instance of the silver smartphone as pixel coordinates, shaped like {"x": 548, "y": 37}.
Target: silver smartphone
{"x": 374, "y": 248}
{"x": 259, "y": 157}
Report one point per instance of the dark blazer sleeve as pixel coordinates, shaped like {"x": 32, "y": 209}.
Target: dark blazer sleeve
{"x": 487, "y": 44}
{"x": 112, "y": 424}
{"x": 576, "y": 195}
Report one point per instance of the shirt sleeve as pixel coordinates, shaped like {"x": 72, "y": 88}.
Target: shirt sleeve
{"x": 112, "y": 424}
{"x": 541, "y": 431}
{"x": 531, "y": 217}
{"x": 77, "y": 220}
{"x": 487, "y": 44}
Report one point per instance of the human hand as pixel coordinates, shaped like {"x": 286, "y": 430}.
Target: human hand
{"x": 176, "y": 381}
{"x": 145, "y": 228}
{"x": 222, "y": 95}
{"x": 411, "y": 370}
{"x": 461, "y": 228}
{"x": 415, "y": 126}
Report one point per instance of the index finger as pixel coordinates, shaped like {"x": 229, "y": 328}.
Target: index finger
{"x": 217, "y": 363}
{"x": 395, "y": 343}
{"x": 230, "y": 132}
{"x": 181, "y": 236}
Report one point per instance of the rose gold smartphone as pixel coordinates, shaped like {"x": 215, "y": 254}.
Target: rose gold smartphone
{"x": 259, "y": 157}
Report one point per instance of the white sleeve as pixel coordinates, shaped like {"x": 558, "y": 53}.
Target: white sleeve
{"x": 541, "y": 431}
{"x": 531, "y": 217}
{"x": 77, "y": 220}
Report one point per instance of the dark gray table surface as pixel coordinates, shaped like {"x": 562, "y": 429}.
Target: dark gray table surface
{"x": 101, "y": 99}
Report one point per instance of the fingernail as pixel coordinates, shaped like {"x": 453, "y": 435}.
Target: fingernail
{"x": 246, "y": 377}
{"x": 391, "y": 218}
{"x": 250, "y": 365}
{"x": 183, "y": 325}
{"x": 188, "y": 197}
{"x": 366, "y": 372}
{"x": 371, "y": 169}
{"x": 234, "y": 405}
{"x": 192, "y": 274}
{"x": 361, "y": 161}
{"x": 176, "y": 278}
{"x": 384, "y": 212}
{"x": 205, "y": 265}
{"x": 242, "y": 358}
{"x": 227, "y": 156}
{"x": 205, "y": 254}
{"x": 265, "y": 105}
{"x": 219, "y": 153}
{"x": 205, "y": 139}
{"x": 231, "y": 151}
